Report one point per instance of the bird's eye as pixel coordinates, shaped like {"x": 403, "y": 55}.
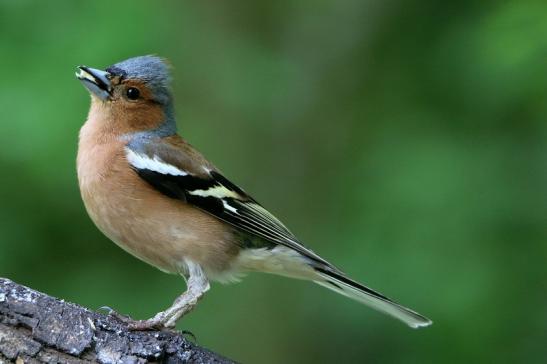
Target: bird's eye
{"x": 133, "y": 93}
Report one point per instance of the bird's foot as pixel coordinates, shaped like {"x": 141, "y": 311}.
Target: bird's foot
{"x": 167, "y": 320}
{"x": 155, "y": 323}
{"x": 150, "y": 324}
{"x": 164, "y": 321}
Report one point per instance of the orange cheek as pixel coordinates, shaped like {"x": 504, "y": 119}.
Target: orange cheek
{"x": 134, "y": 117}
{"x": 145, "y": 117}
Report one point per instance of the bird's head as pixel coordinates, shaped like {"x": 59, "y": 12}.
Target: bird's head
{"x": 135, "y": 93}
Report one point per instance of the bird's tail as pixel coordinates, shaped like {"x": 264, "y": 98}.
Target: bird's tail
{"x": 339, "y": 283}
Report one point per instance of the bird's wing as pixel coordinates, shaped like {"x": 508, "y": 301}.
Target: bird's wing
{"x": 178, "y": 171}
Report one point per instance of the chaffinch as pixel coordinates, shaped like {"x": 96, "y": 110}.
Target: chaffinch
{"x": 159, "y": 199}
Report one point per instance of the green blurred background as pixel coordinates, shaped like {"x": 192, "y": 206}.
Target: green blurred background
{"x": 406, "y": 141}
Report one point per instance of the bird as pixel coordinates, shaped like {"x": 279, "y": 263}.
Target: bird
{"x": 158, "y": 198}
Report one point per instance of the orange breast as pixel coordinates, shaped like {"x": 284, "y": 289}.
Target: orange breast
{"x": 158, "y": 230}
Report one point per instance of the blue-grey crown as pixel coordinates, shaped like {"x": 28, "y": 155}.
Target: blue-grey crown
{"x": 150, "y": 69}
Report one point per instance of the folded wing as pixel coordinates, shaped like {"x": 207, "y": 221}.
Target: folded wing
{"x": 172, "y": 171}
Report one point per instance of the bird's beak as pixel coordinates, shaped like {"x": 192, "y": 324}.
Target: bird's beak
{"x": 96, "y": 81}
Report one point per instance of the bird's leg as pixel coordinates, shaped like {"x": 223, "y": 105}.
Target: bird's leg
{"x": 197, "y": 285}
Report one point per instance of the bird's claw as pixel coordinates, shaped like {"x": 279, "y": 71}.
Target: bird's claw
{"x": 190, "y": 334}
{"x": 108, "y": 310}
{"x": 118, "y": 316}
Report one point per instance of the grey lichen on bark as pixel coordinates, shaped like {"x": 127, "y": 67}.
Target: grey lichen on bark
{"x": 37, "y": 328}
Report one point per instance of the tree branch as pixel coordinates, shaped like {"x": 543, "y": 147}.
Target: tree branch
{"x": 37, "y": 328}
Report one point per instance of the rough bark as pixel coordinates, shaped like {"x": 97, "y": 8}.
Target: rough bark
{"x": 37, "y": 328}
